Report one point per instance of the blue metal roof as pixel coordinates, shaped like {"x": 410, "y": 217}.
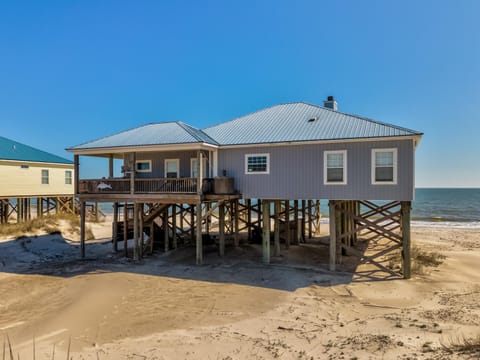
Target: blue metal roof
{"x": 13, "y": 150}
{"x": 166, "y": 133}
{"x": 300, "y": 122}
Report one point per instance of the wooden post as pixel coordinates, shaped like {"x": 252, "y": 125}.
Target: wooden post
{"x": 276, "y": 251}
{"x": 304, "y": 212}
{"x": 140, "y": 229}
{"x": 115, "y": 227}
{"x": 266, "y": 231}
{"x": 406, "y": 246}
{"x": 199, "y": 244}
{"x": 192, "y": 222}
{"x": 221, "y": 229}
{"x": 287, "y": 222}
{"x": 236, "y": 238}
{"x": 76, "y": 171}
{"x": 136, "y": 255}
{"x": 174, "y": 225}
{"x": 200, "y": 172}
{"x": 125, "y": 230}
{"x": 333, "y": 234}
{"x": 82, "y": 229}
{"x": 296, "y": 239}
{"x": 309, "y": 217}
{"x": 165, "y": 230}
{"x": 249, "y": 218}
{"x": 97, "y": 217}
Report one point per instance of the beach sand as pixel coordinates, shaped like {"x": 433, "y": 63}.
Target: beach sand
{"x": 166, "y": 307}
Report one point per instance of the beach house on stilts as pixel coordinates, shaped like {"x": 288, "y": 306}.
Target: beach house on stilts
{"x": 29, "y": 176}
{"x": 268, "y": 168}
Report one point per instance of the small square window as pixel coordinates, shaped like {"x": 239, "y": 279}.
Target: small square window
{"x": 45, "y": 176}
{"x": 335, "y": 167}
{"x": 257, "y": 164}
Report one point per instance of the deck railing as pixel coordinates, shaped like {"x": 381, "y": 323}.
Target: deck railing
{"x": 141, "y": 186}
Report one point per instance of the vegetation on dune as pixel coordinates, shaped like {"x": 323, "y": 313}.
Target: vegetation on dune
{"x": 420, "y": 259}
{"x": 49, "y": 224}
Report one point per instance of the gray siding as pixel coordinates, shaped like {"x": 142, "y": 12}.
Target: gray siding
{"x": 296, "y": 172}
{"x": 158, "y": 162}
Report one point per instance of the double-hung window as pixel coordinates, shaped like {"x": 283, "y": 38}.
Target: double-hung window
{"x": 68, "y": 177}
{"x": 384, "y": 166}
{"x": 335, "y": 167}
{"x": 45, "y": 176}
{"x": 257, "y": 164}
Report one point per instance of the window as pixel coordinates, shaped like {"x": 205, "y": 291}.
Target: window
{"x": 172, "y": 167}
{"x": 44, "y": 176}
{"x": 257, "y": 164}
{"x": 143, "y": 166}
{"x": 384, "y": 166}
{"x": 194, "y": 167}
{"x": 335, "y": 167}
{"x": 24, "y": 166}
{"x": 68, "y": 177}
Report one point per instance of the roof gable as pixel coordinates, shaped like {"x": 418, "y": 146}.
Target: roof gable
{"x": 15, "y": 151}
{"x": 290, "y": 123}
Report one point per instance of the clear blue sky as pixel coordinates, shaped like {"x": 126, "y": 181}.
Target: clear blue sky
{"x": 72, "y": 71}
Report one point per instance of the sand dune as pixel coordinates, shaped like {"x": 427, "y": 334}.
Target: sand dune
{"x": 165, "y": 307}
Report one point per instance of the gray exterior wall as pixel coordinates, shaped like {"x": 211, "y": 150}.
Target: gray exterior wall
{"x": 296, "y": 172}
{"x": 158, "y": 162}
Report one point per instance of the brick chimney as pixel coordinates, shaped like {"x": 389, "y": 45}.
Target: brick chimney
{"x": 331, "y": 103}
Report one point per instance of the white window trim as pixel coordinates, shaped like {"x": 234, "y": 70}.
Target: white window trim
{"x": 395, "y": 166}
{"x": 325, "y": 175}
{"x": 43, "y": 177}
{"x": 205, "y": 164}
{"x": 68, "y": 177}
{"x": 267, "y": 155}
{"x": 165, "y": 167}
{"x": 144, "y": 161}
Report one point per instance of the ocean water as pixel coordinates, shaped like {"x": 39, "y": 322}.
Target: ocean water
{"x": 432, "y": 207}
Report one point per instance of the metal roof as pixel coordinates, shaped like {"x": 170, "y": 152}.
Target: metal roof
{"x": 290, "y": 123}
{"x": 13, "y": 150}
{"x": 165, "y": 133}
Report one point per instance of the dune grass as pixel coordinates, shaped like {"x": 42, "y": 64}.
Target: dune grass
{"x": 49, "y": 224}
{"x": 420, "y": 259}
{"x": 464, "y": 346}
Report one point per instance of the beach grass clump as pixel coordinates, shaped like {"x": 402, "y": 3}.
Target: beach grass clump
{"x": 420, "y": 259}
{"x": 464, "y": 346}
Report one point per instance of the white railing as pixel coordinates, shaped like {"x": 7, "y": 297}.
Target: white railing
{"x": 141, "y": 186}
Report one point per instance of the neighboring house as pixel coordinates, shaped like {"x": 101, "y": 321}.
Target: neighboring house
{"x": 27, "y": 173}
{"x": 294, "y": 151}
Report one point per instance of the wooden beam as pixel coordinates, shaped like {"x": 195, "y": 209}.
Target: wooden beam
{"x": 287, "y": 222}
{"x": 115, "y": 227}
{"x": 236, "y": 237}
{"x": 296, "y": 239}
{"x": 76, "y": 171}
{"x": 266, "y": 231}
{"x": 174, "y": 226}
{"x": 333, "y": 234}
{"x": 125, "y": 230}
{"x": 406, "y": 246}
{"x": 165, "y": 230}
{"x": 110, "y": 166}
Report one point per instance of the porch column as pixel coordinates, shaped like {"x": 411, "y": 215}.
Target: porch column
{"x": 200, "y": 171}
{"x": 199, "y": 234}
{"x": 406, "y": 259}
{"x": 277, "y": 209}
{"x": 110, "y": 166}
{"x": 221, "y": 229}
{"x": 136, "y": 255}
{"x": 76, "y": 170}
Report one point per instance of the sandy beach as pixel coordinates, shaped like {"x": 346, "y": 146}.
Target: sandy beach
{"x": 165, "y": 307}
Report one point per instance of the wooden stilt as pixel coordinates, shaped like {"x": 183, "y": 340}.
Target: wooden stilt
{"x": 140, "y": 229}
{"x": 115, "y": 227}
{"x": 192, "y": 222}
{"x": 221, "y": 229}
{"x": 82, "y": 229}
{"x": 287, "y": 222}
{"x": 266, "y": 231}
{"x": 276, "y": 251}
{"x": 249, "y": 218}
{"x": 136, "y": 254}
{"x": 309, "y": 217}
{"x": 199, "y": 244}
{"x": 333, "y": 234}
{"x": 174, "y": 226}
{"x": 406, "y": 246}
{"x": 125, "y": 229}
{"x": 304, "y": 220}
{"x": 165, "y": 230}
{"x": 236, "y": 236}
{"x": 296, "y": 237}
